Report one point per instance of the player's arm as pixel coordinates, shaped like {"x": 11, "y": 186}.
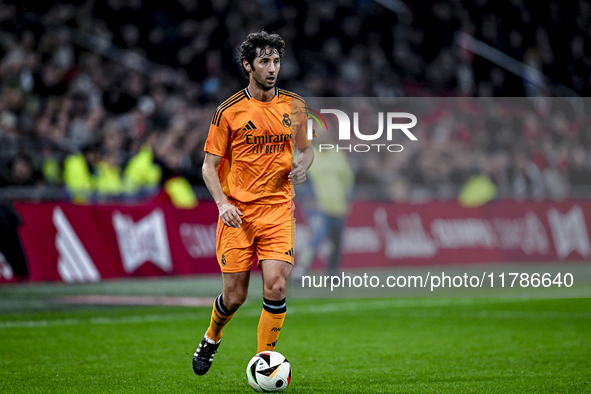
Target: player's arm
{"x": 299, "y": 168}
{"x": 229, "y": 214}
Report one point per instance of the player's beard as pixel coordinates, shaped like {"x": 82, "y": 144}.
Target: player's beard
{"x": 262, "y": 82}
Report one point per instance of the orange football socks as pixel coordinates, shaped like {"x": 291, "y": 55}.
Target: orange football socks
{"x": 270, "y": 324}
{"x": 220, "y": 316}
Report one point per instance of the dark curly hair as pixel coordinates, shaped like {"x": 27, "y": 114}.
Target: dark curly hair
{"x": 260, "y": 39}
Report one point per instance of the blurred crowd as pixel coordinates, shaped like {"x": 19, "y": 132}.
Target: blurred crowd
{"x": 60, "y": 99}
{"x": 524, "y": 148}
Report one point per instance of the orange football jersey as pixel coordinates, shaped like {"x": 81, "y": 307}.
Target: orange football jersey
{"x": 256, "y": 141}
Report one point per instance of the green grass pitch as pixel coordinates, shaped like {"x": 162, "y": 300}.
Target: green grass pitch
{"x": 334, "y": 346}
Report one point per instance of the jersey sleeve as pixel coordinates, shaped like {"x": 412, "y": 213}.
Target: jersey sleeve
{"x": 218, "y": 139}
{"x": 300, "y": 120}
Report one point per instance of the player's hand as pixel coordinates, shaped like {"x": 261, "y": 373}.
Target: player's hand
{"x": 297, "y": 174}
{"x": 230, "y": 215}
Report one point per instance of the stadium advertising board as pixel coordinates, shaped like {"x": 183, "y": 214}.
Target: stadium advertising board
{"x": 75, "y": 243}
{"x": 445, "y": 232}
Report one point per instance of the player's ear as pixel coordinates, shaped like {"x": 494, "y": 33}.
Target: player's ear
{"x": 246, "y": 65}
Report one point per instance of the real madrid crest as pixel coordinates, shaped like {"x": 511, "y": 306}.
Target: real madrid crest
{"x": 286, "y": 120}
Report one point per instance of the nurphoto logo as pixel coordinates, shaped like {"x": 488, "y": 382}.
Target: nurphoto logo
{"x": 344, "y": 132}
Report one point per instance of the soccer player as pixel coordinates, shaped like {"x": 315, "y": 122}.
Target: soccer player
{"x": 249, "y": 169}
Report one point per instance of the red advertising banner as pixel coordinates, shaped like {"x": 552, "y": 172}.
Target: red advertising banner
{"x": 77, "y": 243}
{"x": 387, "y": 234}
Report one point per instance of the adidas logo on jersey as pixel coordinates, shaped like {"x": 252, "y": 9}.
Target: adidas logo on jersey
{"x": 249, "y": 126}
{"x": 289, "y": 252}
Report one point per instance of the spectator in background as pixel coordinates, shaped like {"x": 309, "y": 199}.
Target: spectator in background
{"x": 108, "y": 181}
{"x": 579, "y": 169}
{"x": 325, "y": 202}
{"x": 79, "y": 173}
{"x": 56, "y": 94}
{"x": 22, "y": 172}
{"x": 141, "y": 175}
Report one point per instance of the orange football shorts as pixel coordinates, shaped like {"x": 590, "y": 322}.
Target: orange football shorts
{"x": 267, "y": 232}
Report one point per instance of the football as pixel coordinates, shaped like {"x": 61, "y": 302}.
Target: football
{"x": 268, "y": 372}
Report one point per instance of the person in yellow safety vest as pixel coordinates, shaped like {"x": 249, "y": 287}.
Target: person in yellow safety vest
{"x": 108, "y": 181}
{"x": 180, "y": 192}
{"x": 144, "y": 173}
{"x": 89, "y": 178}
{"x": 51, "y": 170}
{"x": 50, "y": 167}
{"x": 141, "y": 173}
{"x": 477, "y": 191}
{"x": 78, "y": 178}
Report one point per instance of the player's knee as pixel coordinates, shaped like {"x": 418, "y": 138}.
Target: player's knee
{"x": 276, "y": 290}
{"x": 235, "y": 299}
